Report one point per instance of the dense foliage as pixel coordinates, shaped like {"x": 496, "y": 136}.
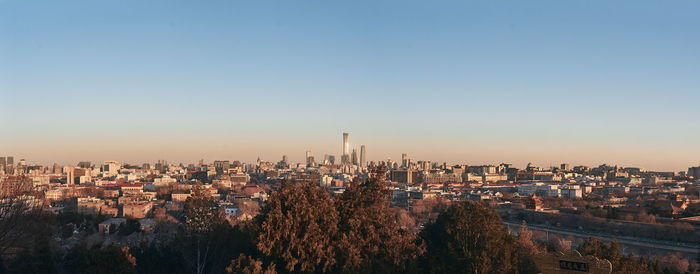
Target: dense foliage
{"x": 370, "y": 238}
{"x": 469, "y": 238}
{"x": 299, "y": 225}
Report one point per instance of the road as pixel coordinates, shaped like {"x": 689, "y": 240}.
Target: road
{"x": 630, "y": 241}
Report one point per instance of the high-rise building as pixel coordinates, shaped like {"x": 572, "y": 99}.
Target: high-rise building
{"x": 354, "y": 159}
{"x": 3, "y": 164}
{"x": 694, "y": 172}
{"x": 309, "y": 158}
{"x": 85, "y": 164}
{"x": 10, "y": 165}
{"x": 70, "y": 175}
{"x": 80, "y": 175}
{"x": 161, "y": 166}
{"x": 363, "y": 156}
{"x": 222, "y": 166}
{"x": 404, "y": 160}
{"x": 329, "y": 159}
{"x": 346, "y": 148}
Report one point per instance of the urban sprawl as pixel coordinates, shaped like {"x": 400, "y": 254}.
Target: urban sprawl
{"x": 652, "y": 213}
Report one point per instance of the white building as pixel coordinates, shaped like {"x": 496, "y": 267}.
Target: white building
{"x": 110, "y": 168}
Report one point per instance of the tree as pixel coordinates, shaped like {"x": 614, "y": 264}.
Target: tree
{"x": 562, "y": 245}
{"x": 611, "y": 252}
{"x": 248, "y": 208}
{"x": 674, "y": 262}
{"x": 602, "y": 250}
{"x": 525, "y": 239}
{"x": 370, "y": 238}
{"x": 248, "y": 265}
{"x": 21, "y": 216}
{"x": 404, "y": 219}
{"x": 201, "y": 212}
{"x": 40, "y": 259}
{"x": 468, "y": 238}
{"x": 158, "y": 258}
{"x": 297, "y": 228}
{"x": 527, "y": 248}
{"x": 202, "y": 215}
{"x": 111, "y": 259}
{"x": 642, "y": 216}
{"x": 631, "y": 264}
{"x": 424, "y": 211}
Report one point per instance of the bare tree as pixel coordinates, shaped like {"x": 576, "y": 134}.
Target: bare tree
{"x": 20, "y": 212}
{"x": 202, "y": 215}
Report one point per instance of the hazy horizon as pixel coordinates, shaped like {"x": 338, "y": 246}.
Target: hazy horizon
{"x": 586, "y": 82}
{"x": 222, "y": 151}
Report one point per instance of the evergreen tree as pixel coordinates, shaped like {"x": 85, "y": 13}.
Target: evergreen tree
{"x": 370, "y": 238}
{"x": 159, "y": 259}
{"x": 111, "y": 259}
{"x": 298, "y": 227}
{"x": 468, "y": 238}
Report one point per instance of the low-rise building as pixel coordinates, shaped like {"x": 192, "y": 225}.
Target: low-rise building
{"x": 137, "y": 210}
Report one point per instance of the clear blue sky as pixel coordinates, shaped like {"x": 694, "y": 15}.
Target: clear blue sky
{"x": 584, "y": 82}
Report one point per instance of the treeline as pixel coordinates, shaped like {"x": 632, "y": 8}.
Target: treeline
{"x": 302, "y": 229}
{"x": 679, "y": 232}
{"x": 630, "y": 263}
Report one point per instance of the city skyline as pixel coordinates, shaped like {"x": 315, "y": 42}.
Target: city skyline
{"x": 360, "y": 160}
{"x": 549, "y": 82}
{"x": 214, "y": 152}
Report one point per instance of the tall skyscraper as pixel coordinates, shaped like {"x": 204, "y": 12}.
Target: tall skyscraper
{"x": 10, "y": 165}
{"x": 363, "y": 156}
{"x": 354, "y": 159}
{"x": 346, "y": 149}
{"x": 345, "y": 157}
{"x": 3, "y": 164}
{"x": 404, "y": 160}
{"x": 309, "y": 158}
